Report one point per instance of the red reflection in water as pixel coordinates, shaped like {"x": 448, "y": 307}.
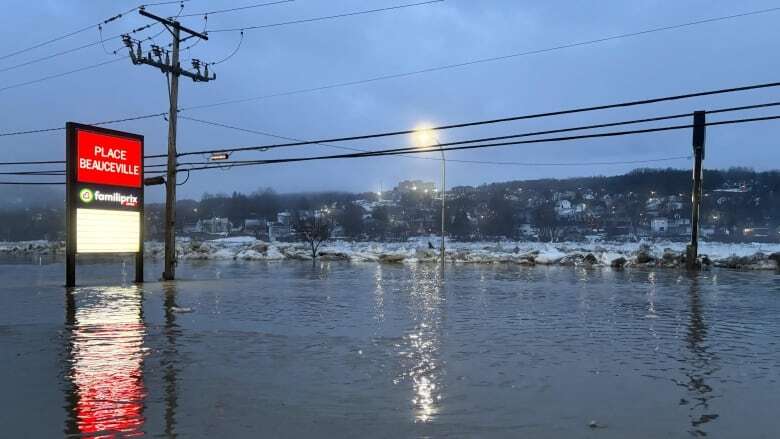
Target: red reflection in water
{"x": 107, "y": 360}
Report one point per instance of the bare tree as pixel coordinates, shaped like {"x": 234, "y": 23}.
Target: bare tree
{"x": 546, "y": 220}
{"x": 314, "y": 230}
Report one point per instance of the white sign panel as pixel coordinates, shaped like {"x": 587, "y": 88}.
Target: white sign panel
{"x": 107, "y": 231}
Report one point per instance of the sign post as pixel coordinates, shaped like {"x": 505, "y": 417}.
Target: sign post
{"x": 104, "y": 195}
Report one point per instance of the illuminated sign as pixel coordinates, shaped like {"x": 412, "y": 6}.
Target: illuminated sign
{"x": 108, "y": 159}
{"x": 105, "y": 194}
{"x": 107, "y": 231}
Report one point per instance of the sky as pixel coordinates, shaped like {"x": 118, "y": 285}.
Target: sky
{"x": 280, "y": 59}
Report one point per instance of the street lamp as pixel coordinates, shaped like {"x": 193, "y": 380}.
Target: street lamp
{"x": 425, "y": 137}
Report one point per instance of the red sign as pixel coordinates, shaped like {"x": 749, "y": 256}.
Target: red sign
{"x": 107, "y": 159}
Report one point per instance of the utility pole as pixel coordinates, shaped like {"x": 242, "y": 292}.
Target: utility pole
{"x": 699, "y": 134}
{"x": 172, "y": 69}
{"x": 443, "y": 196}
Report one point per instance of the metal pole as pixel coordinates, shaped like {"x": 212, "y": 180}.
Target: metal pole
{"x": 139, "y": 257}
{"x": 699, "y": 132}
{"x": 443, "y": 197}
{"x": 170, "y": 189}
{"x": 70, "y": 210}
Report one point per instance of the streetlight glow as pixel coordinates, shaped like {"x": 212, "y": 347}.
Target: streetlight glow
{"x": 424, "y": 136}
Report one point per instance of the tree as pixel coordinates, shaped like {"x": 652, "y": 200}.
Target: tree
{"x": 314, "y": 230}
{"x": 547, "y": 222}
{"x": 351, "y": 219}
{"x": 460, "y": 226}
{"x": 380, "y": 221}
{"x": 265, "y": 203}
{"x": 500, "y": 219}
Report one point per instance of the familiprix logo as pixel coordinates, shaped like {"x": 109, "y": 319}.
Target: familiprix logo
{"x": 116, "y": 197}
{"x": 86, "y": 195}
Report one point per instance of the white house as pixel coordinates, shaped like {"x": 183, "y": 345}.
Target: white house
{"x": 659, "y": 225}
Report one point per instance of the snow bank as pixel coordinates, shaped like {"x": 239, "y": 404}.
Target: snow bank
{"x": 607, "y": 254}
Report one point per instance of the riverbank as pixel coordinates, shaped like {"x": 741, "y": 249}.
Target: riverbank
{"x": 665, "y": 254}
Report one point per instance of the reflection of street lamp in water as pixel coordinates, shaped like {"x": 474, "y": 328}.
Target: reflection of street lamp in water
{"x": 425, "y": 138}
{"x": 423, "y": 344}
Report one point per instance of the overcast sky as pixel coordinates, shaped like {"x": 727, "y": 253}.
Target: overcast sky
{"x": 280, "y": 59}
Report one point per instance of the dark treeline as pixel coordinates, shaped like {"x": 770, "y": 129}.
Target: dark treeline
{"x": 496, "y": 209}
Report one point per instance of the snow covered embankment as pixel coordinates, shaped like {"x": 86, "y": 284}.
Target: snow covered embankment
{"x": 618, "y": 255}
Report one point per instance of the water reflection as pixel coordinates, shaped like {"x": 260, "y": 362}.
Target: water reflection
{"x": 105, "y": 362}
{"x": 170, "y": 356}
{"x": 423, "y": 343}
{"x": 700, "y": 364}
{"x": 379, "y": 294}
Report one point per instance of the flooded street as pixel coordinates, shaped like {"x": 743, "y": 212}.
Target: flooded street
{"x": 288, "y": 349}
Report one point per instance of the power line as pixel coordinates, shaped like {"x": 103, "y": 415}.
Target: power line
{"x": 106, "y": 122}
{"x": 101, "y": 41}
{"x": 232, "y": 53}
{"x": 412, "y": 150}
{"x": 571, "y": 164}
{"x": 450, "y": 147}
{"x": 67, "y": 35}
{"x": 240, "y": 8}
{"x": 30, "y": 183}
{"x": 585, "y": 127}
{"x": 507, "y": 119}
{"x": 349, "y": 83}
{"x": 479, "y": 162}
{"x": 329, "y": 17}
{"x": 262, "y": 133}
{"x": 84, "y": 29}
{"x": 36, "y": 162}
{"x": 482, "y": 60}
{"x": 57, "y": 75}
{"x": 298, "y": 141}
{"x": 64, "y": 52}
{"x": 36, "y": 173}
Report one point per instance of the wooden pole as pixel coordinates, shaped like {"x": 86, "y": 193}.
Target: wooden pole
{"x": 699, "y": 134}
{"x": 169, "y": 272}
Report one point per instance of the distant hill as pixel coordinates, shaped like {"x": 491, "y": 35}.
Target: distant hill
{"x": 735, "y": 200}
{"x": 38, "y": 197}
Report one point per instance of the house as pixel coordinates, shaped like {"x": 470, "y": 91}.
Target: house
{"x": 653, "y": 204}
{"x": 256, "y": 227}
{"x": 284, "y": 218}
{"x": 214, "y": 226}
{"x": 659, "y": 225}
{"x": 526, "y": 230}
{"x": 563, "y": 208}
{"x": 279, "y": 232}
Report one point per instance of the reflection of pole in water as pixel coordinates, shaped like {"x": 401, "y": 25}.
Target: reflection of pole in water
{"x": 700, "y": 363}
{"x": 170, "y": 358}
{"x": 105, "y": 352}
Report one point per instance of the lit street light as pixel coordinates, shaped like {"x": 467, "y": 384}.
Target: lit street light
{"x": 424, "y": 137}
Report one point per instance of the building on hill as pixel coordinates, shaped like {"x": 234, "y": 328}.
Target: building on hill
{"x": 214, "y": 226}
{"x": 416, "y": 186}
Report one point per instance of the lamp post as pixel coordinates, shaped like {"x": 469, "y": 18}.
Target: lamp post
{"x": 424, "y": 137}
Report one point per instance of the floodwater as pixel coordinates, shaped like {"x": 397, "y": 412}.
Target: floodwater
{"x": 291, "y": 349}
